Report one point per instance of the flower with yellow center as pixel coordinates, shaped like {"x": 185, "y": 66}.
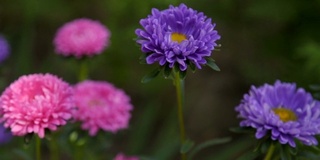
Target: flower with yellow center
{"x": 178, "y": 37}
{"x": 285, "y": 114}
{"x": 282, "y": 112}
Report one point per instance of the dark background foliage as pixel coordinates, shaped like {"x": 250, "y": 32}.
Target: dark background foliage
{"x": 262, "y": 41}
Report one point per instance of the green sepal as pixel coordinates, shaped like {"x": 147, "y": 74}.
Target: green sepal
{"x": 192, "y": 67}
{"x": 211, "y": 63}
{"x": 27, "y": 138}
{"x": 142, "y": 59}
{"x": 48, "y": 135}
{"x": 186, "y": 146}
{"x": 292, "y": 150}
{"x": 266, "y": 143}
{"x": 151, "y": 75}
{"x": 285, "y": 153}
{"x": 167, "y": 71}
{"x": 207, "y": 144}
{"x": 182, "y": 74}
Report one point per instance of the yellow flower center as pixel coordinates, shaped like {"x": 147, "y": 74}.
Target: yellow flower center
{"x": 95, "y": 103}
{"x": 285, "y": 114}
{"x": 178, "y": 37}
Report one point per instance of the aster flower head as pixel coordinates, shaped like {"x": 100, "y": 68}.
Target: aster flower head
{"x": 81, "y": 37}
{"x": 4, "y": 48}
{"x": 283, "y": 112}
{"x": 121, "y": 156}
{"x": 5, "y": 136}
{"x": 100, "y": 105}
{"x": 178, "y": 36}
{"x": 35, "y": 103}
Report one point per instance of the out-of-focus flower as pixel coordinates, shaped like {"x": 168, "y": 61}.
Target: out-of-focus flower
{"x": 121, "y": 156}
{"x": 281, "y": 111}
{"x": 5, "y": 136}
{"x": 81, "y": 37}
{"x": 36, "y": 102}
{"x": 4, "y": 48}
{"x": 100, "y": 105}
{"x": 177, "y": 36}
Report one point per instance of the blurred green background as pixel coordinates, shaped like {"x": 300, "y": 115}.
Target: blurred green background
{"x": 261, "y": 41}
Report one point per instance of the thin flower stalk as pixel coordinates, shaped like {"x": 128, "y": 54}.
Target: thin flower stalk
{"x": 179, "y": 83}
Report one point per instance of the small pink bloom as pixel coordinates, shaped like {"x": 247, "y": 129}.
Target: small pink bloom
{"x": 121, "y": 156}
{"x": 81, "y": 37}
{"x": 100, "y": 105}
{"x": 36, "y": 102}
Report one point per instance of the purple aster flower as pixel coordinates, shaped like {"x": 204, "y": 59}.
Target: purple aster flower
{"x": 282, "y": 111}
{"x": 177, "y": 36}
{"x": 5, "y": 136}
{"x": 4, "y": 48}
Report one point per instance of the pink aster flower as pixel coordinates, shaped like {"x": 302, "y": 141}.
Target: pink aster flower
{"x": 121, "y": 156}
{"x": 100, "y": 105}
{"x": 81, "y": 37}
{"x": 36, "y": 102}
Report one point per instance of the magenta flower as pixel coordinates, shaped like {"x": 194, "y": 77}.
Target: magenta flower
{"x": 36, "y": 102}
{"x": 81, "y": 37}
{"x": 100, "y": 105}
{"x": 121, "y": 156}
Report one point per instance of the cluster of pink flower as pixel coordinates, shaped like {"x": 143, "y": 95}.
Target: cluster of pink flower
{"x": 38, "y": 102}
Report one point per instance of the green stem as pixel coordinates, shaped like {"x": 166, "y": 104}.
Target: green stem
{"x": 270, "y": 152}
{"x": 83, "y": 73}
{"x": 38, "y": 148}
{"x": 54, "y": 149}
{"x": 180, "y": 98}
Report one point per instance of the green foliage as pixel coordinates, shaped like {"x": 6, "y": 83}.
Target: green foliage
{"x": 262, "y": 41}
{"x": 153, "y": 74}
{"x": 211, "y": 63}
{"x": 186, "y": 147}
{"x": 209, "y": 143}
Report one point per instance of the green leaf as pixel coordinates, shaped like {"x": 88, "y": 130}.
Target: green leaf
{"x": 211, "y": 63}
{"x": 21, "y": 154}
{"x": 151, "y": 75}
{"x": 186, "y": 146}
{"x": 258, "y": 146}
{"x": 242, "y": 129}
{"x": 207, "y": 144}
{"x": 307, "y": 155}
{"x": 315, "y": 87}
{"x": 249, "y": 156}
